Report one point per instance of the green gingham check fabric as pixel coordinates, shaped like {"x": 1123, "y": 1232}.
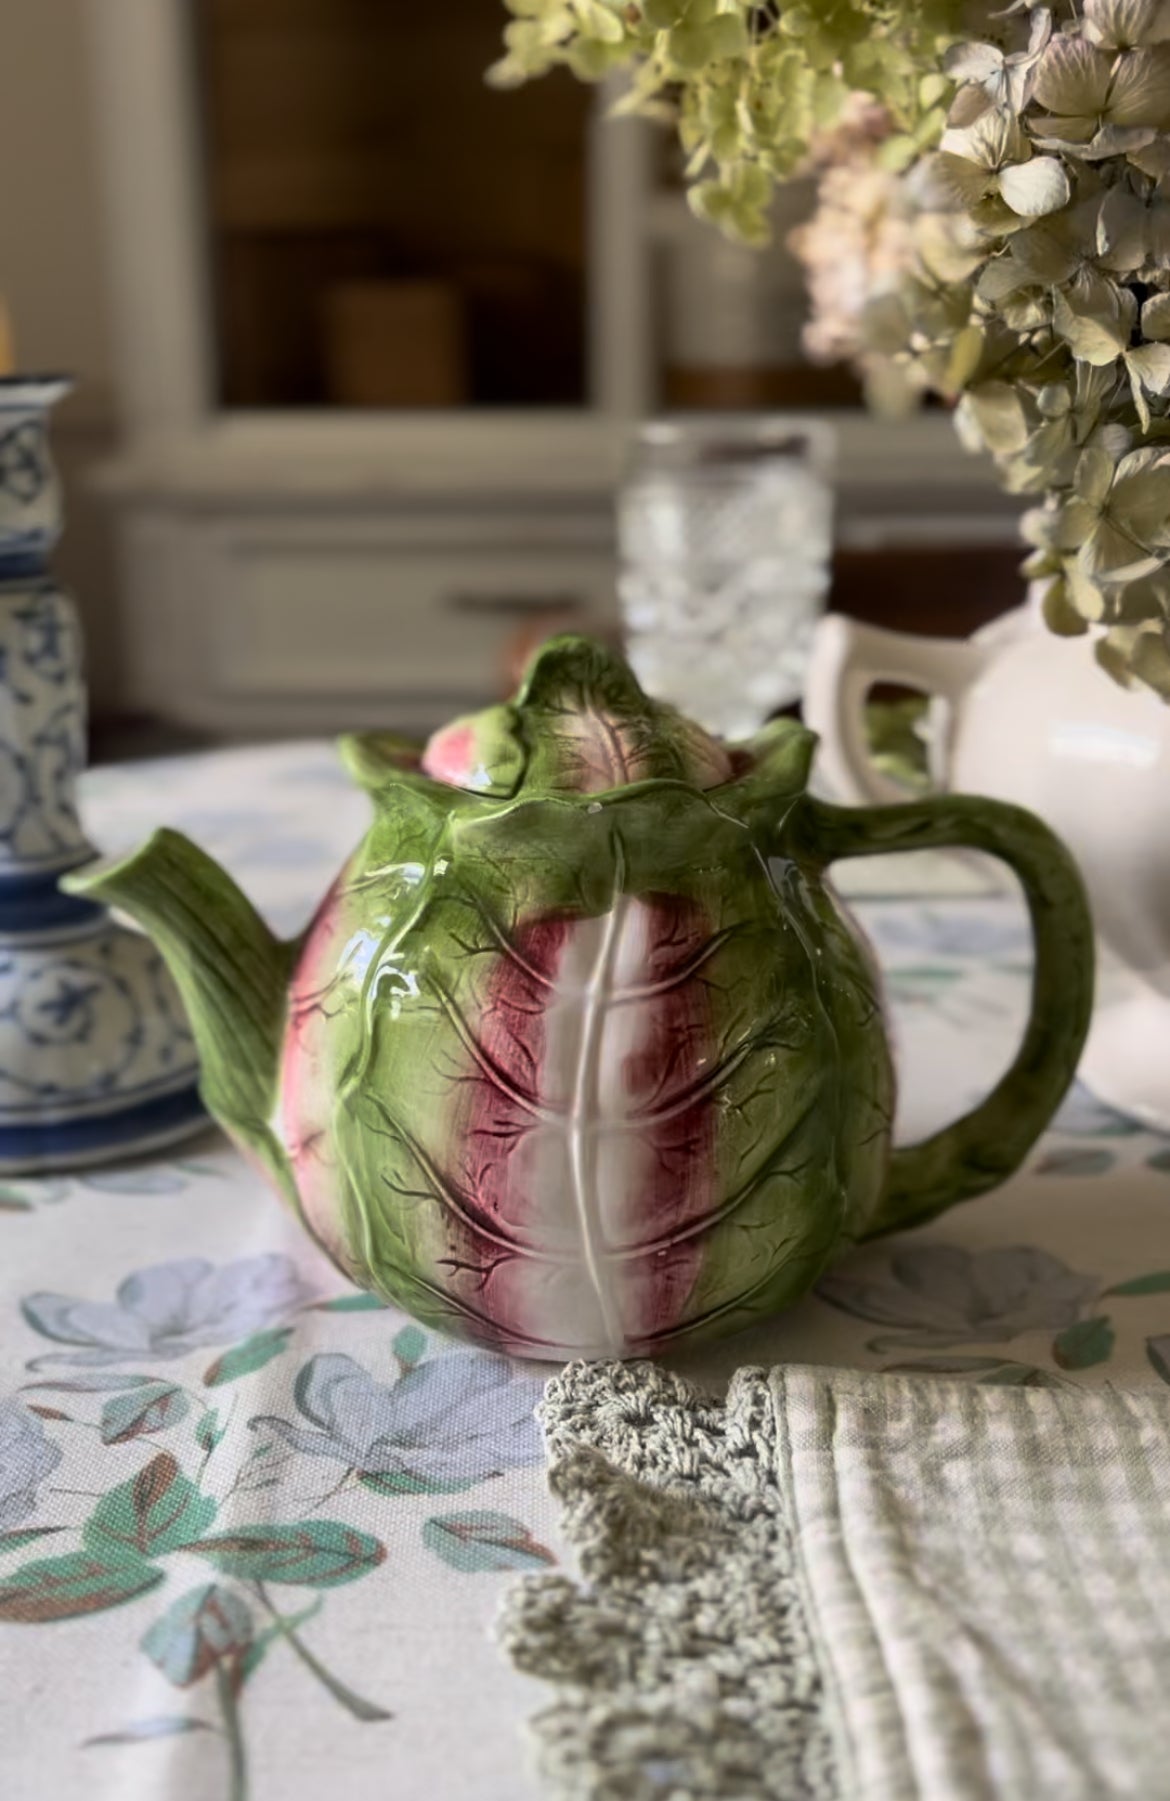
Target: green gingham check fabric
{"x": 986, "y": 1573}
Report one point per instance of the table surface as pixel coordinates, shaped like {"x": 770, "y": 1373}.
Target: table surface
{"x": 254, "y": 1529}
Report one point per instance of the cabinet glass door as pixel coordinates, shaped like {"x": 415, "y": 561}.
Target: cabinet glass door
{"x": 387, "y": 231}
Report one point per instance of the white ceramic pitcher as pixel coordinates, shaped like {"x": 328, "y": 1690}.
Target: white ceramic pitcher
{"x": 1023, "y": 716}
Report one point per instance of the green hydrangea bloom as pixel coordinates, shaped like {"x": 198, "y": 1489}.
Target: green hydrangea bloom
{"x": 747, "y": 85}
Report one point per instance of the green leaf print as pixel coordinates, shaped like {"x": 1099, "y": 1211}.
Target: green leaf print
{"x": 61, "y": 1588}
{"x": 1076, "y": 1163}
{"x": 1084, "y": 1345}
{"x": 1158, "y": 1352}
{"x": 26, "y": 1535}
{"x": 1021, "y": 1375}
{"x": 140, "y": 1732}
{"x": 91, "y": 1382}
{"x": 410, "y": 1347}
{"x": 197, "y": 1631}
{"x": 404, "y": 1482}
{"x": 311, "y": 1553}
{"x": 210, "y": 1431}
{"x": 245, "y": 1359}
{"x": 284, "y": 1627}
{"x": 143, "y": 1410}
{"x": 472, "y": 1542}
{"x": 1156, "y": 1283}
{"x": 157, "y": 1511}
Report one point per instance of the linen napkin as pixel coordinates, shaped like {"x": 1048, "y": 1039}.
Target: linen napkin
{"x": 856, "y": 1586}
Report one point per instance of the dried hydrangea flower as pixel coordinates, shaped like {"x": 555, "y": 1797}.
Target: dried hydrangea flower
{"x": 1023, "y": 269}
{"x": 1054, "y": 341}
{"x": 855, "y": 247}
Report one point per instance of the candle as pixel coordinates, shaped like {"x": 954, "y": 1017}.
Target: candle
{"x": 7, "y": 347}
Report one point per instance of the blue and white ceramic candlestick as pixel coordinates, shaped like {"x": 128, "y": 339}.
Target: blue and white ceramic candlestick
{"x": 96, "y": 1060}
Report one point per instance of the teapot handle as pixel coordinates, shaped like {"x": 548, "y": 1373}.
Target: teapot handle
{"x": 986, "y": 1146}
{"x": 847, "y": 659}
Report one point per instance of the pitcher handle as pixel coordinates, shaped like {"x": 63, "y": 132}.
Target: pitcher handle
{"x": 986, "y": 1146}
{"x": 847, "y": 659}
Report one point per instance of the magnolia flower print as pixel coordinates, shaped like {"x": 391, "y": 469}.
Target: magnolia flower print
{"x": 170, "y": 1309}
{"x": 446, "y": 1425}
{"x": 937, "y": 1294}
{"x": 27, "y": 1458}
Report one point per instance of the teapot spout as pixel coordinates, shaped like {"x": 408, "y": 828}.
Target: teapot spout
{"x": 231, "y": 973}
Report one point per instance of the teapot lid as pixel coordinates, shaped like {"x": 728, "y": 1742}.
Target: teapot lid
{"x": 580, "y": 724}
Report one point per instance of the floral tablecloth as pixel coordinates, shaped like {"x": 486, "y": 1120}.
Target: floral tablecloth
{"x": 254, "y": 1528}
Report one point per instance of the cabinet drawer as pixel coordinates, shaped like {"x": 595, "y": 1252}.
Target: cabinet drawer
{"x": 358, "y": 620}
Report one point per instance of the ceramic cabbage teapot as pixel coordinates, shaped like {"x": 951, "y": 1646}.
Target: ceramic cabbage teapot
{"x": 580, "y": 1056}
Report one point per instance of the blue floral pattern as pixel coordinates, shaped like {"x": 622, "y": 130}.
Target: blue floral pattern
{"x": 27, "y": 1458}
{"x": 939, "y": 1295}
{"x": 440, "y": 1428}
{"x": 169, "y": 1310}
{"x": 219, "y": 1485}
{"x": 40, "y": 665}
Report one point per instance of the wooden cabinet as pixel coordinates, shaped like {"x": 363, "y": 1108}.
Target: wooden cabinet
{"x": 350, "y": 140}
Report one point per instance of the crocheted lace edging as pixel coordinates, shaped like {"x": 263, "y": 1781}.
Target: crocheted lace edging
{"x": 682, "y": 1663}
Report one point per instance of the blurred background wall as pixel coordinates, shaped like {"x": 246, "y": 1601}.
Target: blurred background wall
{"x": 54, "y": 277}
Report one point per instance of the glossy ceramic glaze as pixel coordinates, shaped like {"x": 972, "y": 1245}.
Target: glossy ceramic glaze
{"x": 96, "y": 1059}
{"x": 580, "y": 1056}
{"x": 1030, "y": 718}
